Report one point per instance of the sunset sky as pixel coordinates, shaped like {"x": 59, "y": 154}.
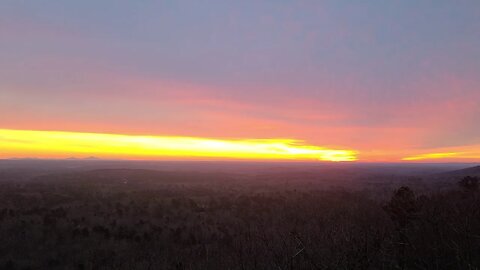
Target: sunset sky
{"x": 386, "y": 81}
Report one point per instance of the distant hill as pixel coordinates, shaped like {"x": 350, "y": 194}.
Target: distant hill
{"x": 472, "y": 171}
{"x": 133, "y": 176}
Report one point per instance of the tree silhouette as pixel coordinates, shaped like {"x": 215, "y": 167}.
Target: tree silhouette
{"x": 469, "y": 183}
{"x": 403, "y": 207}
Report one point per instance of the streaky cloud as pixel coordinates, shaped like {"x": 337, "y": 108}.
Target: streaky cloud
{"x": 18, "y": 143}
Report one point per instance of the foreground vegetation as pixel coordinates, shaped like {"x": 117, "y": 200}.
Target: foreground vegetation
{"x": 81, "y": 224}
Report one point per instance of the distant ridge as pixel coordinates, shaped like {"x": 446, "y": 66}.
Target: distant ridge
{"x": 86, "y": 158}
{"x": 112, "y": 176}
{"x": 472, "y": 171}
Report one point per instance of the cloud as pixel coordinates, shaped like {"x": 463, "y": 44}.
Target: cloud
{"x": 20, "y": 143}
{"x": 394, "y": 83}
{"x": 467, "y": 153}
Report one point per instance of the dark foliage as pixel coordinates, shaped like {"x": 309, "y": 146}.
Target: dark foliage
{"x": 469, "y": 183}
{"x": 80, "y": 224}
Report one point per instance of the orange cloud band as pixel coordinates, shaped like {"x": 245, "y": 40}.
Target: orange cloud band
{"x": 61, "y": 144}
{"x": 470, "y": 154}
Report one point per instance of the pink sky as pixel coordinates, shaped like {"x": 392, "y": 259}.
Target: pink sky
{"x": 399, "y": 83}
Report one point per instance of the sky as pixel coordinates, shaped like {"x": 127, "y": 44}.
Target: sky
{"x": 382, "y": 80}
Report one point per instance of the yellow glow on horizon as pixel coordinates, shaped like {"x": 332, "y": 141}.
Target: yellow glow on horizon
{"x": 432, "y": 156}
{"x": 62, "y": 144}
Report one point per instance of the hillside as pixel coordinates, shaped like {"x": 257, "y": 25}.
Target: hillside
{"x": 472, "y": 171}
